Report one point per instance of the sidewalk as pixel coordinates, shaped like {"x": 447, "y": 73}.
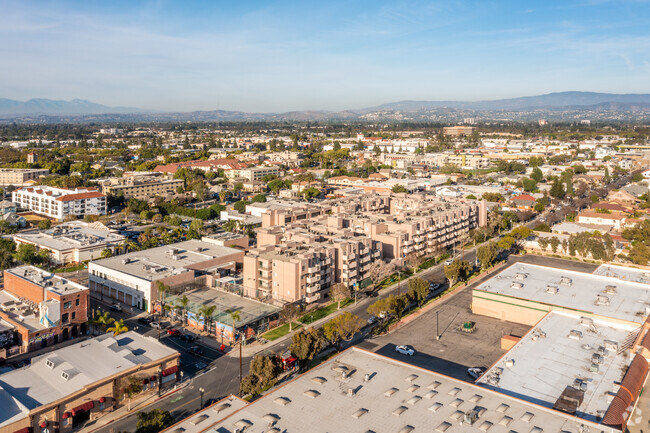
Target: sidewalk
{"x": 136, "y": 406}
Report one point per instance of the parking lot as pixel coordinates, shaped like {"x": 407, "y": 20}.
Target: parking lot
{"x": 456, "y": 351}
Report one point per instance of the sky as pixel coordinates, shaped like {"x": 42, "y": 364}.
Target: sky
{"x": 278, "y": 56}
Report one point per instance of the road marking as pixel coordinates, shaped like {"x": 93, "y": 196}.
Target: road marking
{"x": 177, "y": 398}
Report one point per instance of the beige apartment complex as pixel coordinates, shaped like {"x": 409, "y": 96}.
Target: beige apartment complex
{"x": 252, "y": 173}
{"x": 351, "y": 234}
{"x": 458, "y": 130}
{"x": 20, "y": 176}
{"x": 141, "y": 188}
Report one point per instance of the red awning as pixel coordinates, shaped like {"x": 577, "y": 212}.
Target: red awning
{"x": 102, "y": 399}
{"x": 170, "y": 370}
{"x": 43, "y": 424}
{"x": 152, "y": 378}
{"x": 24, "y": 430}
{"x": 65, "y": 415}
{"x": 83, "y": 408}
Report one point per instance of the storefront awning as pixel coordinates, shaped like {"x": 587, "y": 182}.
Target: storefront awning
{"x": 170, "y": 370}
{"x": 83, "y": 408}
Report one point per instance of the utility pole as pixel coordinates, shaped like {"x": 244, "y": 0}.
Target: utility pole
{"x": 240, "y": 365}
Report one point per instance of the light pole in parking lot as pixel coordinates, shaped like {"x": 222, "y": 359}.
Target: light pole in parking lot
{"x": 201, "y": 390}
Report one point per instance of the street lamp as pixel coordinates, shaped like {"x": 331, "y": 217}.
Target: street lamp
{"x": 201, "y": 390}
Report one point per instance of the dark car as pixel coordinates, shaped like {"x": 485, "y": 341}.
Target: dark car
{"x": 174, "y": 332}
{"x": 144, "y": 320}
{"x": 371, "y": 293}
{"x": 188, "y": 337}
{"x": 115, "y": 307}
{"x": 195, "y": 350}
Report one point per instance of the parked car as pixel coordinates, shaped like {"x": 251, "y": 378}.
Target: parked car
{"x": 161, "y": 325}
{"x": 370, "y": 293}
{"x": 434, "y": 286}
{"x": 145, "y": 320}
{"x": 195, "y": 350}
{"x": 405, "y": 350}
{"x": 188, "y": 337}
{"x": 115, "y": 307}
{"x": 174, "y": 332}
{"x": 475, "y": 372}
{"x": 371, "y": 320}
{"x": 449, "y": 262}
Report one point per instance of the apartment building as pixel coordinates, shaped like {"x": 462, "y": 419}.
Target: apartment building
{"x": 20, "y": 176}
{"x": 289, "y": 273}
{"x": 457, "y": 131}
{"x": 141, "y": 188}
{"x": 205, "y": 165}
{"x": 43, "y": 308}
{"x": 73, "y": 241}
{"x": 252, "y": 173}
{"x": 59, "y": 203}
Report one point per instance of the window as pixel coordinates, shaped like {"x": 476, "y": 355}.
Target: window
{"x": 76, "y": 302}
{"x": 64, "y": 318}
{"x": 74, "y": 315}
{"x": 67, "y": 305}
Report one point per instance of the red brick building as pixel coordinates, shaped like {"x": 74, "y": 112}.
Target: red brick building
{"x": 45, "y": 309}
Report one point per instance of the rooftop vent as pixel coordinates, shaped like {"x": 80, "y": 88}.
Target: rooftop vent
{"x": 126, "y": 261}
{"x": 586, "y": 321}
{"x": 602, "y": 300}
{"x": 198, "y": 419}
{"x": 503, "y": 408}
{"x": 456, "y": 402}
{"x": 611, "y": 346}
{"x": 566, "y": 281}
{"x": 575, "y": 335}
{"x": 476, "y": 398}
{"x": 516, "y": 285}
{"x": 271, "y": 418}
{"x": 553, "y": 290}
{"x": 485, "y": 426}
{"x": 505, "y": 421}
{"x": 457, "y": 416}
{"x": 520, "y": 276}
{"x": 400, "y": 410}
{"x": 429, "y": 395}
{"x": 359, "y": 413}
{"x": 442, "y": 428}
{"x": 527, "y": 417}
{"x": 434, "y": 385}
{"x": 319, "y": 380}
{"x": 610, "y": 289}
{"x": 312, "y": 393}
{"x": 411, "y": 377}
{"x": 221, "y": 407}
{"x": 435, "y": 406}
{"x": 282, "y": 401}
{"x": 390, "y": 391}
{"x": 413, "y": 388}
{"x": 407, "y": 429}
{"x": 243, "y": 423}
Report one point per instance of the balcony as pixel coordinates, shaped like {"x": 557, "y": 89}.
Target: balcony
{"x": 408, "y": 242}
{"x": 313, "y": 279}
{"x": 313, "y": 288}
{"x": 314, "y": 298}
{"x": 349, "y": 257}
{"x": 313, "y": 269}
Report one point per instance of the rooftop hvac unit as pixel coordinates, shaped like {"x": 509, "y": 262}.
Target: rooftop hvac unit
{"x": 586, "y": 321}
{"x": 611, "y": 346}
{"x": 553, "y": 290}
{"x": 520, "y": 276}
{"x": 126, "y": 261}
{"x": 516, "y": 285}
{"x": 566, "y": 281}
{"x": 610, "y": 289}
{"x": 575, "y": 335}
{"x": 602, "y": 300}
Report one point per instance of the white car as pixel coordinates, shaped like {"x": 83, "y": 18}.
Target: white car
{"x": 475, "y": 372}
{"x": 405, "y": 350}
{"x": 434, "y": 286}
{"x": 371, "y": 320}
{"x": 449, "y": 262}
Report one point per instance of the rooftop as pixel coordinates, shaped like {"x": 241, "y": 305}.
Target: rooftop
{"x": 53, "y": 283}
{"x": 586, "y": 293}
{"x": 624, "y": 273}
{"x": 359, "y": 391}
{"x": 208, "y": 416}
{"x": 161, "y": 262}
{"x": 564, "y": 350}
{"x": 71, "y": 235}
{"x": 85, "y": 363}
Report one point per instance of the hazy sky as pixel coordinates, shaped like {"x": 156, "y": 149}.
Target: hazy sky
{"x": 281, "y": 55}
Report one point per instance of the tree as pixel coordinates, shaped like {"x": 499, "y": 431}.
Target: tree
{"x": 106, "y": 253}
{"x": 529, "y": 185}
{"x": 259, "y": 198}
{"x": 555, "y": 242}
{"x": 459, "y": 270}
{"x": 606, "y": 179}
{"x": 6, "y": 259}
{"x": 487, "y": 254}
{"x": 537, "y": 175}
{"x": 182, "y": 303}
{"x": 206, "y": 311}
{"x": 305, "y": 344}
{"x": 44, "y": 224}
{"x": 492, "y": 197}
{"x": 235, "y": 316}
{"x": 521, "y": 232}
{"x": 240, "y": 206}
{"x": 310, "y": 193}
{"x": 288, "y": 313}
{"x": 397, "y": 305}
{"x": 542, "y": 242}
{"x": 342, "y": 328}
{"x": 380, "y": 308}
{"x": 506, "y": 243}
{"x": 196, "y": 226}
{"x": 379, "y": 270}
{"x": 418, "y": 290}
{"x": 263, "y": 374}
{"x": 118, "y": 327}
{"x": 557, "y": 189}
{"x": 101, "y": 320}
{"x": 338, "y": 293}
{"x": 154, "y": 421}
{"x": 30, "y": 254}
{"x": 398, "y": 189}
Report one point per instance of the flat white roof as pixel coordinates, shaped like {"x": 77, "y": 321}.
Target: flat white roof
{"x": 71, "y": 235}
{"x": 624, "y": 273}
{"x": 360, "y": 391}
{"x": 551, "y": 357}
{"x": 208, "y": 416}
{"x": 625, "y": 300}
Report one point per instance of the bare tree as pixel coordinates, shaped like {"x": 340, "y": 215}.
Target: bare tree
{"x": 379, "y": 270}
{"x": 339, "y": 292}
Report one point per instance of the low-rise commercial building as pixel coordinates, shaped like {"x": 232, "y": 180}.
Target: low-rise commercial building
{"x": 132, "y": 278}
{"x": 73, "y": 242}
{"x": 252, "y": 173}
{"x": 59, "y": 203}
{"x": 43, "y": 308}
{"x": 21, "y": 176}
{"x": 369, "y": 392}
{"x": 62, "y": 390}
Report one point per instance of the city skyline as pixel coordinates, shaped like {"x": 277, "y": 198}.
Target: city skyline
{"x": 275, "y": 57}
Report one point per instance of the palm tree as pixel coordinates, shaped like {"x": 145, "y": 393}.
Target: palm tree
{"x": 101, "y": 320}
{"x": 206, "y": 311}
{"x": 118, "y": 327}
{"x": 235, "y": 316}
{"x": 183, "y": 303}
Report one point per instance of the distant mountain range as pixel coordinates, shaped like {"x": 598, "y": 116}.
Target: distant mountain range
{"x": 47, "y": 110}
{"x": 9, "y": 107}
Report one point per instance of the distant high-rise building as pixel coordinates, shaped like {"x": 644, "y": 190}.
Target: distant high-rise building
{"x": 32, "y": 158}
